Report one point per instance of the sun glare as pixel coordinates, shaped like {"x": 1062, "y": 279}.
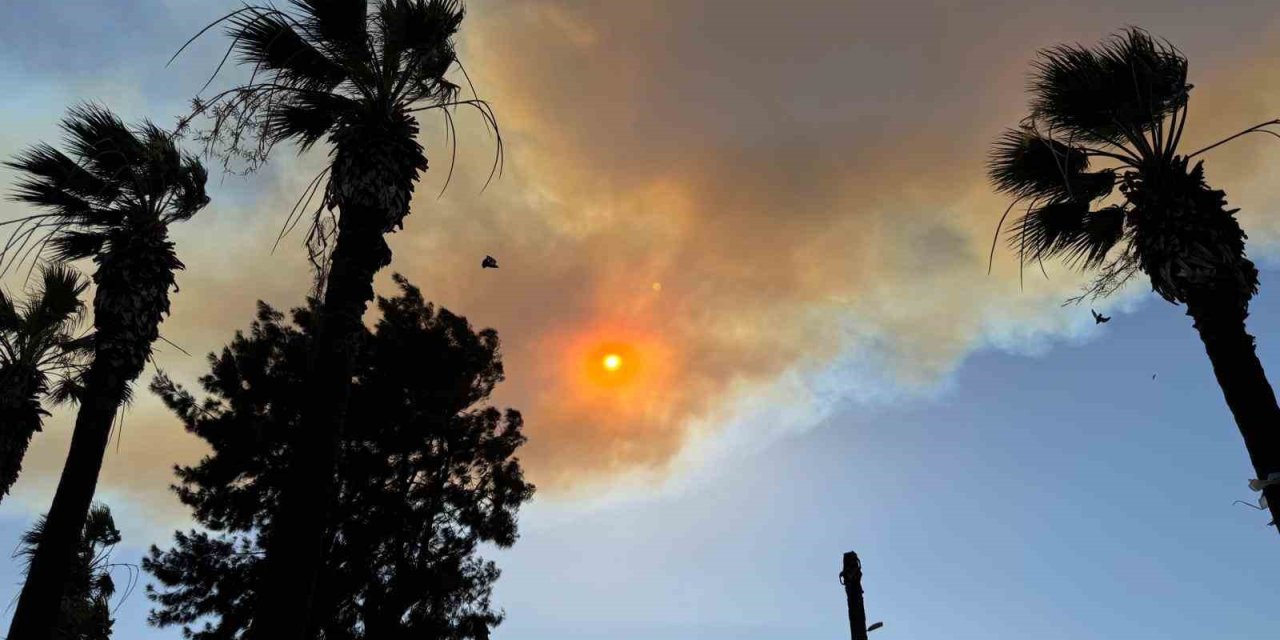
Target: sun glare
{"x": 612, "y": 362}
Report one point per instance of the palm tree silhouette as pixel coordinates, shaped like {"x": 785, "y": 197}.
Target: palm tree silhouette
{"x": 111, "y": 198}
{"x": 1123, "y": 105}
{"x": 40, "y": 356}
{"x": 85, "y": 610}
{"x": 353, "y": 73}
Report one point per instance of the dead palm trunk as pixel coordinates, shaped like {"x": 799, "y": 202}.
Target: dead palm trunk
{"x": 851, "y": 578}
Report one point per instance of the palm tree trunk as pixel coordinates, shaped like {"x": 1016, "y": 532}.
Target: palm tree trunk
{"x": 36, "y": 616}
{"x": 295, "y": 545}
{"x": 131, "y": 300}
{"x": 1231, "y": 349}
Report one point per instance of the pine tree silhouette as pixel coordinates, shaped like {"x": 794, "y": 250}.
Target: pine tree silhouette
{"x": 427, "y": 473}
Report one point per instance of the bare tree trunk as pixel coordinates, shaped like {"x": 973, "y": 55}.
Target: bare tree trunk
{"x": 851, "y": 578}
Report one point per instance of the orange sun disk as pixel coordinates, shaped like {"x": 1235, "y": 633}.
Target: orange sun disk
{"x": 613, "y": 364}
{"x": 621, "y": 367}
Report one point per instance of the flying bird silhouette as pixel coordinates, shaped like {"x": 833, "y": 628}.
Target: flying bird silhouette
{"x": 1098, "y": 318}
{"x": 489, "y": 263}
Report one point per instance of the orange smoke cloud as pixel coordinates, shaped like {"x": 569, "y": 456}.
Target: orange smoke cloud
{"x": 784, "y": 170}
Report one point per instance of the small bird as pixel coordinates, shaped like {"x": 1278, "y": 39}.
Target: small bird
{"x": 1098, "y": 318}
{"x": 1153, "y": 376}
{"x": 489, "y": 263}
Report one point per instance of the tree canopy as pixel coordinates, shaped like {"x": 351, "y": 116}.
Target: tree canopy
{"x": 427, "y": 475}
{"x": 41, "y": 359}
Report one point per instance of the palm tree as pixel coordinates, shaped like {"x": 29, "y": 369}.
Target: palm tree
{"x": 85, "y": 610}
{"x": 111, "y": 197}
{"x": 354, "y": 73}
{"x": 1144, "y": 209}
{"x": 40, "y": 356}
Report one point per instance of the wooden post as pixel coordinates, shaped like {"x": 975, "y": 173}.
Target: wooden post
{"x": 851, "y": 578}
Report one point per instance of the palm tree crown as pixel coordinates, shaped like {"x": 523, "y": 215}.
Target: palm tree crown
{"x": 40, "y": 356}
{"x": 111, "y": 197}
{"x": 1122, "y": 105}
{"x": 354, "y": 72}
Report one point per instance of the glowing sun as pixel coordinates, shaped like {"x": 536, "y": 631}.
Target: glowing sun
{"x": 611, "y": 362}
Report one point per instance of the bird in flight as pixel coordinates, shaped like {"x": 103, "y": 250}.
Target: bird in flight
{"x": 1098, "y": 318}
{"x": 489, "y": 263}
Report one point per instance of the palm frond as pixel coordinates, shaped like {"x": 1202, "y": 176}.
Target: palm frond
{"x": 190, "y": 195}
{"x": 57, "y": 301}
{"x": 47, "y": 193}
{"x": 103, "y": 142}
{"x": 342, "y": 25}
{"x": 1119, "y": 91}
{"x": 10, "y": 320}
{"x": 100, "y": 527}
{"x": 66, "y": 389}
{"x": 268, "y": 40}
{"x": 58, "y": 169}
{"x": 1262, "y": 127}
{"x": 1025, "y": 164}
{"x": 29, "y": 541}
{"x": 162, "y": 161}
{"x": 308, "y": 117}
{"x": 420, "y": 34}
{"x": 1048, "y": 230}
{"x": 71, "y": 245}
{"x": 1104, "y": 228}
{"x": 1094, "y": 186}
{"x": 1069, "y": 231}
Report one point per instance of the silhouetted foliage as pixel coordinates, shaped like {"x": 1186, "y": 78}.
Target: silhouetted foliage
{"x": 41, "y": 358}
{"x": 427, "y": 473}
{"x": 85, "y": 613}
{"x": 355, "y": 74}
{"x": 111, "y": 198}
{"x": 1123, "y": 104}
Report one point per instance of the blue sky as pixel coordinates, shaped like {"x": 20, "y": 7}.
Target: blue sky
{"x": 831, "y": 368}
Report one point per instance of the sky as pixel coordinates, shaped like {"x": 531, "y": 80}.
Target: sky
{"x": 824, "y": 363}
